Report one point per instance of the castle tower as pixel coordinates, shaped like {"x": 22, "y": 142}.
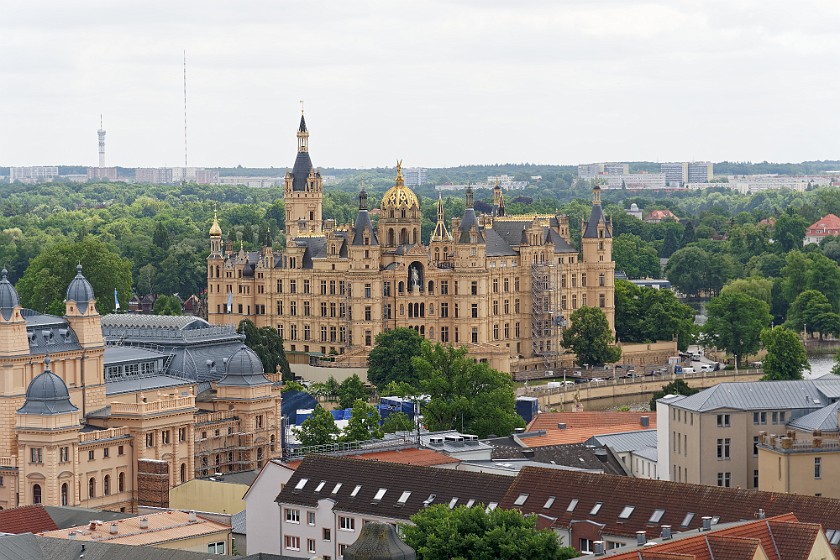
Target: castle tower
{"x": 215, "y": 237}
{"x": 13, "y": 339}
{"x": 47, "y": 427}
{"x": 82, "y": 316}
{"x": 303, "y": 191}
{"x": 498, "y": 200}
{"x": 363, "y": 232}
{"x": 101, "y": 134}
{"x": 399, "y": 222}
{"x": 597, "y": 233}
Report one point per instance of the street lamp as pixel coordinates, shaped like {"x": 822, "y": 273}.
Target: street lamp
{"x": 736, "y": 367}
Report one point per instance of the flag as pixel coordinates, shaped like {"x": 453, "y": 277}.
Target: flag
{"x": 116, "y": 300}
{"x": 230, "y": 302}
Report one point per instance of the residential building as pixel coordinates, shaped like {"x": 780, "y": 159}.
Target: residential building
{"x": 588, "y": 171}
{"x": 827, "y": 226}
{"x": 777, "y": 538}
{"x": 415, "y": 176}
{"x": 633, "y": 181}
{"x": 328, "y": 500}
{"x": 95, "y": 422}
{"x": 102, "y": 173}
{"x": 167, "y": 529}
{"x": 253, "y": 182}
{"x": 498, "y": 284}
{"x": 712, "y": 437}
{"x": 636, "y": 450}
{"x": 578, "y": 456}
{"x": 583, "y": 508}
{"x": 555, "y": 428}
{"x": 34, "y": 174}
{"x": 635, "y": 211}
{"x": 657, "y": 216}
{"x": 679, "y": 173}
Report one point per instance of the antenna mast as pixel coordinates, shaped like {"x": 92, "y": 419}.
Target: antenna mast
{"x": 185, "y": 112}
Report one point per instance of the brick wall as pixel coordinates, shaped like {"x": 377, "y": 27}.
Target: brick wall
{"x": 152, "y": 483}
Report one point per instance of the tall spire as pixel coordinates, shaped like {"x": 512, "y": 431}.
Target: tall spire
{"x": 469, "y": 196}
{"x": 302, "y": 133}
{"x": 363, "y": 203}
{"x": 440, "y": 233}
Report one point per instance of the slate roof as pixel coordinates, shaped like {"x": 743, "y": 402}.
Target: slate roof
{"x": 303, "y": 165}
{"x": 677, "y": 500}
{"x": 238, "y": 524}
{"x": 26, "y": 519}
{"x": 124, "y": 354}
{"x": 596, "y": 218}
{"x": 510, "y": 230}
{"x": 824, "y": 419}
{"x": 628, "y": 441}
{"x": 48, "y": 333}
{"x": 576, "y": 455}
{"x": 808, "y": 394}
{"x": 145, "y": 383}
{"x": 8, "y": 296}
{"x": 47, "y": 394}
{"x": 80, "y": 290}
{"x": 496, "y": 245}
{"x": 423, "y": 483}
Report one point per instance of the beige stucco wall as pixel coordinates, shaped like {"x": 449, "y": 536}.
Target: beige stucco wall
{"x": 793, "y": 472}
{"x": 208, "y": 495}
{"x": 199, "y": 543}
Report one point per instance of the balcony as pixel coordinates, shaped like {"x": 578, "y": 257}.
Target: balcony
{"x": 164, "y": 404}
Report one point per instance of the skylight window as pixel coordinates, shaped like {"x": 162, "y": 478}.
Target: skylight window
{"x": 491, "y": 506}
{"x": 379, "y": 494}
{"x": 337, "y": 488}
{"x": 355, "y": 491}
{"x": 596, "y": 508}
{"x": 452, "y": 502}
{"x": 520, "y": 500}
{"x": 301, "y": 483}
{"x": 657, "y": 516}
{"x": 687, "y": 519}
{"x": 715, "y": 520}
{"x": 833, "y": 536}
{"x": 404, "y": 497}
{"x": 626, "y": 512}
{"x": 549, "y": 502}
{"x": 572, "y": 505}
{"x": 320, "y": 485}
{"x": 471, "y": 502}
{"x": 428, "y": 501}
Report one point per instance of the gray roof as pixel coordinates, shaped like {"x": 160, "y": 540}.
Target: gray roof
{"x": 363, "y": 222}
{"x": 8, "y": 296}
{"x": 46, "y": 395}
{"x": 596, "y": 217}
{"x": 144, "y": 383}
{"x": 622, "y": 443}
{"x": 824, "y": 419}
{"x": 48, "y": 333}
{"x": 649, "y": 453}
{"x": 244, "y": 368}
{"x": 80, "y": 290}
{"x": 511, "y": 232}
{"x": 805, "y": 394}
{"x": 300, "y": 172}
{"x": 137, "y": 320}
{"x": 123, "y": 354}
{"x": 27, "y": 546}
{"x": 467, "y": 222}
{"x": 237, "y": 523}
{"x": 244, "y": 478}
{"x": 66, "y": 516}
{"x": 496, "y": 246}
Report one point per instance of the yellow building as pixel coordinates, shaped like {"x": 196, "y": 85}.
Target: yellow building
{"x": 502, "y": 285}
{"x": 72, "y": 435}
{"x": 791, "y": 465}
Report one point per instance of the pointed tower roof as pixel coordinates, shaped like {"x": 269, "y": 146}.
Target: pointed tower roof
{"x": 302, "y": 126}
{"x": 363, "y": 221}
{"x": 215, "y": 229}
{"x": 440, "y": 233}
{"x": 596, "y": 216}
{"x": 303, "y": 164}
{"x": 8, "y": 296}
{"x": 47, "y": 394}
{"x": 469, "y": 220}
{"x": 80, "y": 290}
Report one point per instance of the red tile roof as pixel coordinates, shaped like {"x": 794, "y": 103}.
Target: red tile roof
{"x": 779, "y": 538}
{"x": 580, "y": 426}
{"x": 661, "y": 215}
{"x": 408, "y": 456}
{"x": 26, "y": 519}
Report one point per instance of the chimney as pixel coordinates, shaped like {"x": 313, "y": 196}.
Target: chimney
{"x": 92, "y": 526}
{"x": 114, "y": 529}
{"x": 760, "y": 514}
{"x": 528, "y": 453}
{"x": 598, "y": 548}
{"x": 666, "y": 532}
{"x": 644, "y": 421}
{"x": 561, "y": 425}
{"x": 193, "y": 518}
{"x": 707, "y": 523}
{"x": 641, "y": 538}
{"x": 144, "y": 522}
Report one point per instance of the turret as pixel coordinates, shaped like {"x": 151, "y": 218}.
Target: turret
{"x": 440, "y": 233}
{"x": 80, "y": 311}
{"x": 13, "y": 339}
{"x": 363, "y": 232}
{"x": 597, "y": 232}
{"x": 215, "y": 236}
{"x": 303, "y": 191}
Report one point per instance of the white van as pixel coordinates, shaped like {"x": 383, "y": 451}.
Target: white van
{"x": 688, "y": 370}
{"x": 707, "y": 367}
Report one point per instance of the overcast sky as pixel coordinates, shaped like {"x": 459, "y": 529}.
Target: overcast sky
{"x": 435, "y": 83}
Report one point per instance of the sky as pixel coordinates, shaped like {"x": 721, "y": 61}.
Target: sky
{"x": 436, "y": 83}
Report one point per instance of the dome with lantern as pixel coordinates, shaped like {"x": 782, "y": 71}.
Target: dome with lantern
{"x": 399, "y": 196}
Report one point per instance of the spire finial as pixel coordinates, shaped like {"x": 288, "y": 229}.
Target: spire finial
{"x": 399, "y": 172}
{"x": 301, "y": 106}
{"x": 47, "y": 362}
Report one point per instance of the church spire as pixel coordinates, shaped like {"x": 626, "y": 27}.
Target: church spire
{"x": 302, "y": 133}
{"x": 469, "y": 197}
{"x": 363, "y": 199}
{"x": 440, "y": 233}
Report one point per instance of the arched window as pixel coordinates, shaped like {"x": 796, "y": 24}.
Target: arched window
{"x": 390, "y": 236}
{"x": 218, "y": 461}
{"x": 431, "y": 287}
{"x": 106, "y": 485}
{"x": 403, "y": 236}
{"x": 183, "y": 472}
{"x": 121, "y": 480}
{"x": 64, "y": 494}
{"x": 401, "y": 287}
{"x": 414, "y": 235}
{"x": 422, "y": 309}
{"x": 402, "y": 213}
{"x": 36, "y": 494}
{"x": 92, "y": 487}
{"x": 437, "y": 254}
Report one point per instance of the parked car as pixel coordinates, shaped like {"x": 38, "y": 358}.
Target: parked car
{"x": 597, "y": 380}
{"x": 688, "y": 370}
{"x": 707, "y": 367}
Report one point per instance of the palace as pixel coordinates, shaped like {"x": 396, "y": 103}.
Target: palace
{"x": 499, "y": 284}
{"x": 108, "y": 412}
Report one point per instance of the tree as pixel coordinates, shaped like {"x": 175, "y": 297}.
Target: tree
{"x": 390, "y": 358}
{"x": 785, "y": 357}
{"x": 676, "y": 387}
{"x": 318, "y": 429}
{"x": 45, "y": 281}
{"x": 161, "y": 236}
{"x": 397, "y": 422}
{"x": 268, "y": 345}
{"x": 805, "y": 309}
{"x": 463, "y": 394}
{"x": 789, "y": 230}
{"x": 363, "y": 424}
{"x": 735, "y": 322}
{"x": 440, "y": 533}
{"x": 146, "y": 279}
{"x": 590, "y": 338}
{"x": 167, "y": 305}
{"x": 646, "y": 315}
{"x": 351, "y": 390}
{"x": 670, "y": 244}
{"x": 685, "y": 270}
{"x": 636, "y": 257}
{"x": 759, "y": 288}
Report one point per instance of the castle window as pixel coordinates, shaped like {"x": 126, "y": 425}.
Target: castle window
{"x": 583, "y": 300}
{"x": 444, "y": 312}
{"x": 36, "y": 455}
{"x": 106, "y": 485}
{"x": 574, "y": 280}
{"x": 332, "y": 309}
{"x": 65, "y": 498}
{"x": 306, "y": 286}
{"x": 601, "y": 279}
{"x": 306, "y": 309}
{"x": 323, "y": 309}
{"x": 91, "y": 487}
{"x": 506, "y": 284}
{"x": 600, "y": 245}
{"x": 367, "y": 291}
{"x": 574, "y": 301}
{"x": 495, "y": 307}
{"x": 602, "y": 300}
{"x": 495, "y": 332}
{"x": 495, "y": 285}
{"x": 474, "y": 310}
{"x": 292, "y": 286}
{"x": 474, "y": 288}
{"x": 507, "y": 306}
{"x": 367, "y": 313}
{"x": 306, "y": 332}
{"x": 562, "y": 302}
{"x": 401, "y": 287}
{"x": 293, "y": 308}
{"x": 444, "y": 334}
{"x": 583, "y": 280}
{"x": 507, "y": 330}
{"x": 444, "y": 287}
{"x": 516, "y": 305}
{"x": 36, "y": 493}
{"x": 431, "y": 287}
{"x": 475, "y": 335}
{"x": 323, "y": 287}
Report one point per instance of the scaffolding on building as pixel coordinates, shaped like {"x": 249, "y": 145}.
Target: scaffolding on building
{"x": 222, "y": 447}
{"x": 546, "y": 316}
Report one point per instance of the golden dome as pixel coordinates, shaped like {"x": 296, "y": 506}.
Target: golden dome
{"x": 215, "y": 230}
{"x": 399, "y": 195}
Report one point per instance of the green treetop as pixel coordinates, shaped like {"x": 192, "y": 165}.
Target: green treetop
{"x": 590, "y": 338}
{"x": 318, "y": 429}
{"x": 786, "y": 358}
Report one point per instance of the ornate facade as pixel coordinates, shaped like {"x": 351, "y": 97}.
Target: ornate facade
{"x": 502, "y": 285}
{"x": 78, "y": 413}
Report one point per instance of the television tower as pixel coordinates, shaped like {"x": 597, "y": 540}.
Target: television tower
{"x": 101, "y": 134}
